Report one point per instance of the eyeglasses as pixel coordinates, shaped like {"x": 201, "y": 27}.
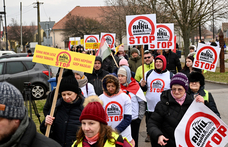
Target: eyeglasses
{"x": 178, "y": 89}
{"x": 147, "y": 57}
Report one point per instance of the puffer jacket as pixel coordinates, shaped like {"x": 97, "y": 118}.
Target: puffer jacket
{"x": 134, "y": 63}
{"x": 95, "y": 79}
{"x": 164, "y": 120}
{"x": 173, "y": 61}
{"x": 66, "y": 122}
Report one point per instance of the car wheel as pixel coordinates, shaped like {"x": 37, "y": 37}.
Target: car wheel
{"x": 38, "y": 91}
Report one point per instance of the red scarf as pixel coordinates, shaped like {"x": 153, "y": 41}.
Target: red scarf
{"x": 133, "y": 87}
{"x": 93, "y": 139}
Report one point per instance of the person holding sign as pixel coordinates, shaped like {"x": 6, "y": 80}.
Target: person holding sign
{"x": 65, "y": 122}
{"x": 94, "y": 131}
{"x": 196, "y": 88}
{"x": 169, "y": 112}
{"x": 117, "y": 106}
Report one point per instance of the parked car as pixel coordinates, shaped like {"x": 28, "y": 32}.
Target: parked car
{"x": 6, "y": 52}
{"x": 13, "y": 55}
{"x": 21, "y": 69}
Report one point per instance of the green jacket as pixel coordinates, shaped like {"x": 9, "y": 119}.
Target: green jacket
{"x": 134, "y": 63}
{"x": 138, "y": 74}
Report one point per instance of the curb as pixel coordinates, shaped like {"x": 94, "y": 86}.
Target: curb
{"x": 216, "y": 82}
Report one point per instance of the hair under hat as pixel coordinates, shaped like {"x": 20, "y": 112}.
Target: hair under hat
{"x": 11, "y": 102}
{"x": 69, "y": 84}
{"x": 180, "y": 79}
{"x": 93, "y": 110}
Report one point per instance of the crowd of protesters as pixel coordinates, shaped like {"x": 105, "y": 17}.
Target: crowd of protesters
{"x": 106, "y": 107}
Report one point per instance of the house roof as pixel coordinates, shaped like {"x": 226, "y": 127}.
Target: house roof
{"x": 89, "y": 12}
{"x": 224, "y": 26}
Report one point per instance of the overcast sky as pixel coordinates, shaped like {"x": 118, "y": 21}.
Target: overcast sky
{"x": 54, "y": 9}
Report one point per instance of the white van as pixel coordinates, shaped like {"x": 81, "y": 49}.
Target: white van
{"x": 6, "y": 52}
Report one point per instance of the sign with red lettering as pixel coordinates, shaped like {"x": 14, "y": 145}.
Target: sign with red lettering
{"x": 110, "y": 39}
{"x": 141, "y": 30}
{"x": 165, "y": 36}
{"x": 206, "y": 57}
{"x": 114, "y": 111}
{"x": 201, "y": 127}
{"x": 89, "y": 41}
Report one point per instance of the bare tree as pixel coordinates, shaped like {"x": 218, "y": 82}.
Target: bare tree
{"x": 80, "y": 26}
{"x": 28, "y": 32}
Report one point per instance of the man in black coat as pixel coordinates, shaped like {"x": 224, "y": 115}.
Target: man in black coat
{"x": 173, "y": 61}
{"x": 16, "y": 128}
{"x": 97, "y": 75}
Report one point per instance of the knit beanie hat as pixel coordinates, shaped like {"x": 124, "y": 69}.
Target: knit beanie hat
{"x": 121, "y": 48}
{"x": 122, "y": 71}
{"x": 180, "y": 79}
{"x": 134, "y": 50}
{"x": 11, "y": 102}
{"x": 79, "y": 73}
{"x": 123, "y": 62}
{"x": 197, "y": 77}
{"x": 93, "y": 110}
{"x": 69, "y": 84}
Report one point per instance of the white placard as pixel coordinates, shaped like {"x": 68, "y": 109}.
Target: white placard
{"x": 141, "y": 30}
{"x": 110, "y": 39}
{"x": 201, "y": 127}
{"x": 206, "y": 57}
{"x": 165, "y": 36}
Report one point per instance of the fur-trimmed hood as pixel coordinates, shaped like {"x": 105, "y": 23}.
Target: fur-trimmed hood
{"x": 116, "y": 82}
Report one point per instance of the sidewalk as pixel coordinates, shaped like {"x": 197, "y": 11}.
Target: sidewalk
{"x": 143, "y": 134}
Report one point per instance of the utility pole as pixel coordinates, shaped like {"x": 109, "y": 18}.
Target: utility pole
{"x": 21, "y": 24}
{"x": 4, "y": 12}
{"x": 38, "y": 19}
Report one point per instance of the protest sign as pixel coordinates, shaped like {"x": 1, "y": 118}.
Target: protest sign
{"x": 65, "y": 59}
{"x": 206, "y": 57}
{"x": 91, "y": 41}
{"x": 201, "y": 127}
{"x": 141, "y": 30}
{"x": 110, "y": 39}
{"x": 165, "y": 36}
{"x": 73, "y": 41}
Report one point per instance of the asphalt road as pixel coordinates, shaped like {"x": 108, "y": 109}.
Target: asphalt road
{"x": 220, "y": 94}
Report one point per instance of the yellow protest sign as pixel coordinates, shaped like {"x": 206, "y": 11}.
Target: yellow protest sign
{"x": 82, "y": 42}
{"x": 92, "y": 45}
{"x": 64, "y": 59}
{"x": 73, "y": 43}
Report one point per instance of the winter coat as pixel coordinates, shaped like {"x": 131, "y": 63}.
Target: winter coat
{"x": 164, "y": 120}
{"x": 139, "y": 75}
{"x": 172, "y": 62}
{"x": 109, "y": 64}
{"x": 211, "y": 104}
{"x": 31, "y": 138}
{"x": 95, "y": 79}
{"x": 134, "y": 63}
{"x": 66, "y": 122}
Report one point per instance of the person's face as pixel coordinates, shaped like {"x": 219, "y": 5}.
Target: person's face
{"x": 69, "y": 96}
{"x": 122, "y": 78}
{"x": 148, "y": 59}
{"x": 97, "y": 65}
{"x": 111, "y": 87}
{"x": 77, "y": 76}
{"x": 178, "y": 91}
{"x": 191, "y": 50}
{"x": 159, "y": 51}
{"x": 134, "y": 55}
{"x": 7, "y": 128}
{"x": 90, "y": 127}
{"x": 166, "y": 50}
{"x": 194, "y": 86}
{"x": 159, "y": 64}
{"x": 121, "y": 53}
{"x": 188, "y": 63}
